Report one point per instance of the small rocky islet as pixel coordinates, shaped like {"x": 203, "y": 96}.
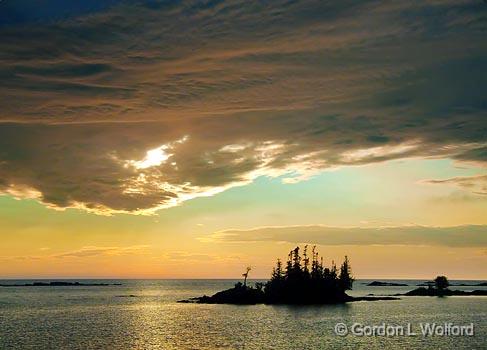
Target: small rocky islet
{"x": 386, "y": 284}
{"x": 303, "y": 280}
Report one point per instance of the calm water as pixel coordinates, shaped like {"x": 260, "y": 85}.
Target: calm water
{"x": 110, "y": 318}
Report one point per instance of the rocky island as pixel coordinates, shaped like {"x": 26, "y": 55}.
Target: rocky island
{"x": 303, "y": 280}
{"x": 482, "y": 284}
{"x": 386, "y": 284}
{"x": 439, "y": 288}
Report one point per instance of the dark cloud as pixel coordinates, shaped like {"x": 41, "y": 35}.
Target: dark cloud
{"x": 225, "y": 91}
{"x": 474, "y": 154}
{"x": 455, "y": 236}
{"x": 25, "y": 11}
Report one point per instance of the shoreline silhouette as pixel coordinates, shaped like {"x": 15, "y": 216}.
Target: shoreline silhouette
{"x": 60, "y": 284}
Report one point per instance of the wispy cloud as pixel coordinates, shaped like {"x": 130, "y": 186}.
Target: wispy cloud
{"x": 476, "y": 184}
{"x": 454, "y": 236}
{"x": 90, "y": 251}
{"x": 87, "y": 252}
{"x": 183, "y": 256}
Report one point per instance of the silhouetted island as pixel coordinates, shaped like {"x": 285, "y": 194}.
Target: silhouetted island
{"x": 304, "y": 280}
{"x": 386, "y": 284}
{"x": 60, "y": 284}
{"x": 482, "y": 284}
{"x": 439, "y": 288}
{"x": 421, "y": 291}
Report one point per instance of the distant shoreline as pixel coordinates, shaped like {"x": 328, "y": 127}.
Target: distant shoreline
{"x": 60, "y": 284}
{"x": 362, "y": 280}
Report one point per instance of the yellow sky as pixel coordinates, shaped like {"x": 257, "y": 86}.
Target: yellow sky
{"x": 182, "y": 242}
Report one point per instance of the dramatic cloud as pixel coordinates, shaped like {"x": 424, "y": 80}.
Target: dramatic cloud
{"x": 455, "y": 236}
{"x": 132, "y": 107}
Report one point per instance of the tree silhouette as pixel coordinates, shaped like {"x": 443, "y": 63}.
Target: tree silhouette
{"x": 302, "y": 281}
{"x": 346, "y": 279}
{"x": 300, "y": 284}
{"x": 441, "y": 283}
{"x": 246, "y": 274}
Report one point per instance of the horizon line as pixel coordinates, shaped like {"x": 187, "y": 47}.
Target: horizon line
{"x": 219, "y": 279}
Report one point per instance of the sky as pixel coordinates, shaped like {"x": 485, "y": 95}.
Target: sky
{"x": 190, "y": 139}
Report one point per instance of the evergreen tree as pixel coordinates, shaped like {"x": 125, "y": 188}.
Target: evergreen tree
{"x": 345, "y": 278}
{"x": 305, "y": 261}
{"x": 296, "y": 261}
{"x": 333, "y": 271}
{"x": 277, "y": 272}
{"x": 301, "y": 284}
{"x": 289, "y": 265}
{"x": 315, "y": 273}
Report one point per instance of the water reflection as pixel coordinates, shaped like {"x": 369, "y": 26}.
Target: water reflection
{"x": 98, "y": 318}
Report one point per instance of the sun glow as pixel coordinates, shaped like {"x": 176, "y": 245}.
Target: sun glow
{"x": 157, "y": 156}
{"x": 154, "y": 157}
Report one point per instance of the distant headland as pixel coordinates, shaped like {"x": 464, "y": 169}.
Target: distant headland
{"x": 303, "y": 280}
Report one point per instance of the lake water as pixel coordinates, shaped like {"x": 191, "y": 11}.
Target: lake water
{"x": 144, "y": 314}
